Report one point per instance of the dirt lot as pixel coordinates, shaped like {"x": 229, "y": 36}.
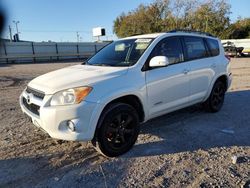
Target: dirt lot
{"x": 187, "y": 148}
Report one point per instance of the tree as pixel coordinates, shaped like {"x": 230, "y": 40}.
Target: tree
{"x": 145, "y": 19}
{"x": 164, "y": 15}
{"x": 240, "y": 29}
{"x": 212, "y": 17}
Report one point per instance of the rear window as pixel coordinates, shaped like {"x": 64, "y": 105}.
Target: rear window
{"x": 195, "y": 48}
{"x": 213, "y": 46}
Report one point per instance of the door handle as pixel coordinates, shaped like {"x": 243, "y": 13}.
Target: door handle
{"x": 185, "y": 71}
{"x": 213, "y": 65}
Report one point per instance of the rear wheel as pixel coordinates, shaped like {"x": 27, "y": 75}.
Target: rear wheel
{"x": 216, "y": 99}
{"x": 118, "y": 129}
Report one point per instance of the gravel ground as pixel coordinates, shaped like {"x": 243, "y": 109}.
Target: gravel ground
{"x": 187, "y": 148}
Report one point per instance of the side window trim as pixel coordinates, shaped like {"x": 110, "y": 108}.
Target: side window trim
{"x": 209, "y": 52}
{"x": 184, "y": 49}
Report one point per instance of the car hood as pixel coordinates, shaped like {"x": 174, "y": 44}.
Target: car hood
{"x": 74, "y": 76}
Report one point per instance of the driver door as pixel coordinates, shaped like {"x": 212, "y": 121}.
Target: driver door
{"x": 168, "y": 87}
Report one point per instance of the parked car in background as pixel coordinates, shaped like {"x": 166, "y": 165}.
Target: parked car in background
{"x": 128, "y": 82}
{"x": 246, "y": 52}
{"x": 231, "y": 50}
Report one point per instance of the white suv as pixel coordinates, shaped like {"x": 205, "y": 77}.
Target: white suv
{"x": 127, "y": 83}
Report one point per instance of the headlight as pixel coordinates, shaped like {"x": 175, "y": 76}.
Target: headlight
{"x": 70, "y": 96}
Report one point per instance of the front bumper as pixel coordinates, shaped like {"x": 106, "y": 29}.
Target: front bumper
{"x": 53, "y": 119}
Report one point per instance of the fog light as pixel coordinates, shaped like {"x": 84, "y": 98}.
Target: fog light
{"x": 71, "y": 126}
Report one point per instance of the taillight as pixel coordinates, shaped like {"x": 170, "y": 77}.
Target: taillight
{"x": 228, "y": 57}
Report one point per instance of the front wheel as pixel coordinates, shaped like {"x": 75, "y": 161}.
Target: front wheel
{"x": 216, "y": 99}
{"x": 117, "y": 131}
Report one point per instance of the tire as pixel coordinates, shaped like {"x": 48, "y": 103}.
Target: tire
{"x": 117, "y": 130}
{"x": 216, "y": 99}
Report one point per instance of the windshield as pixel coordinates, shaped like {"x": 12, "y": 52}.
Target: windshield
{"x": 120, "y": 53}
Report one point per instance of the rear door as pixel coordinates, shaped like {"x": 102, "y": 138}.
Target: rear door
{"x": 202, "y": 67}
{"x": 167, "y": 87}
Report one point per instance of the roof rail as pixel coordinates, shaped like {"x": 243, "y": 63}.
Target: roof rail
{"x": 191, "y": 31}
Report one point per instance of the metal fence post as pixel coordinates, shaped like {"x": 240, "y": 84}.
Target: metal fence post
{"x": 95, "y": 48}
{"x": 33, "y": 52}
{"x": 77, "y": 50}
{"x": 57, "y": 57}
{"x": 5, "y": 51}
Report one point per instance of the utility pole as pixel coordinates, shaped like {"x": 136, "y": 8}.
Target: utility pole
{"x": 16, "y": 36}
{"x": 16, "y": 22}
{"x": 77, "y": 36}
{"x": 10, "y": 33}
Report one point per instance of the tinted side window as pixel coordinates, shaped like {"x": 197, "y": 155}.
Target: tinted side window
{"x": 213, "y": 47}
{"x": 195, "y": 48}
{"x": 171, "y": 48}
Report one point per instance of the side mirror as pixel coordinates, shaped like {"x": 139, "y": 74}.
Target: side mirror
{"x": 159, "y": 61}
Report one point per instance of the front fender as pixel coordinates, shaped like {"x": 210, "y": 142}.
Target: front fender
{"x": 122, "y": 92}
{"x": 106, "y": 99}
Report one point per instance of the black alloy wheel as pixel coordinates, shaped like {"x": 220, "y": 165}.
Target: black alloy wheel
{"x": 216, "y": 99}
{"x": 118, "y": 130}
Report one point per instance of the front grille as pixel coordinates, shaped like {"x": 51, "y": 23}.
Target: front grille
{"x": 36, "y": 93}
{"x": 31, "y": 107}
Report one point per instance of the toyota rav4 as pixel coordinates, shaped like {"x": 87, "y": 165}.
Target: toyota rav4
{"x": 128, "y": 82}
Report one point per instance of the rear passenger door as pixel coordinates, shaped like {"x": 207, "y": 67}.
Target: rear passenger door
{"x": 202, "y": 67}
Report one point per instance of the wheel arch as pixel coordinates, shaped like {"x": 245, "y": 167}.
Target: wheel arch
{"x": 223, "y": 78}
{"x": 130, "y": 99}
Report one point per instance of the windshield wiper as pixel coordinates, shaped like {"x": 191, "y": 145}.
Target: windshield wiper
{"x": 101, "y": 64}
